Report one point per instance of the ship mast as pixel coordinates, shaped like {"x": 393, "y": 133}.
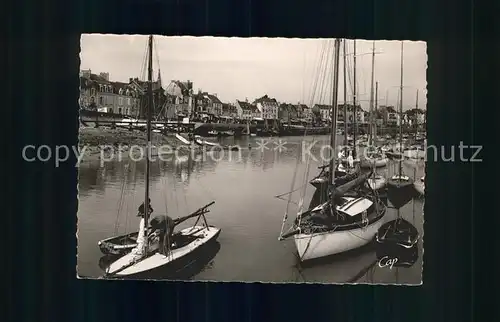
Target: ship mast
{"x": 335, "y": 86}
{"x": 345, "y": 94}
{"x": 401, "y": 113}
{"x": 370, "y": 139}
{"x": 149, "y": 110}
{"x": 355, "y": 112}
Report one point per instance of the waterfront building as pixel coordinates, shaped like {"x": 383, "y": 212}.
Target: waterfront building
{"x": 268, "y": 107}
{"x": 303, "y": 111}
{"x": 287, "y": 112}
{"x": 323, "y": 111}
{"x": 159, "y": 97}
{"x": 229, "y": 110}
{"x": 206, "y": 103}
{"x": 389, "y": 115}
{"x": 98, "y": 93}
{"x": 179, "y": 99}
{"x": 247, "y": 111}
{"x": 127, "y": 99}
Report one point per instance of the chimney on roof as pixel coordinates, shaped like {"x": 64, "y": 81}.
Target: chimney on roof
{"x": 246, "y": 99}
{"x": 199, "y": 91}
{"x": 130, "y": 80}
{"x": 215, "y": 94}
{"x": 105, "y": 76}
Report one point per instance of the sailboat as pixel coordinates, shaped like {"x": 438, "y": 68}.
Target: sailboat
{"x": 144, "y": 258}
{"x": 374, "y": 158}
{"x": 345, "y": 221}
{"x": 343, "y": 173}
{"x": 399, "y": 185}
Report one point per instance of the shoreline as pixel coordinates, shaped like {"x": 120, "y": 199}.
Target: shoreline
{"x": 93, "y": 142}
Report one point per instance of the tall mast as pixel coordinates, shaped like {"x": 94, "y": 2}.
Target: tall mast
{"x": 345, "y": 94}
{"x": 401, "y": 112}
{"x": 355, "y": 112}
{"x": 416, "y": 117}
{"x": 335, "y": 86}
{"x": 370, "y": 140}
{"x": 149, "y": 109}
{"x": 376, "y": 108}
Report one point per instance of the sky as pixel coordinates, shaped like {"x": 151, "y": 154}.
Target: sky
{"x": 284, "y": 68}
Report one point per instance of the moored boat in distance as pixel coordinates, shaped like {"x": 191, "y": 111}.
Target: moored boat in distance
{"x": 182, "y": 139}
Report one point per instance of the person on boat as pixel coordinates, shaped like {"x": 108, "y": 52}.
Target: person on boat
{"x": 164, "y": 227}
{"x": 341, "y": 155}
{"x": 141, "y": 209}
{"x": 141, "y": 237}
{"x": 350, "y": 160}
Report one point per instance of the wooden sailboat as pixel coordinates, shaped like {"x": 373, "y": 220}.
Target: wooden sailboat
{"x": 145, "y": 259}
{"x": 348, "y": 219}
{"x": 400, "y": 185}
{"x": 343, "y": 172}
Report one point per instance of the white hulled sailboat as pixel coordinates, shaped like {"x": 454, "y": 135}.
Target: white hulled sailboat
{"x": 348, "y": 219}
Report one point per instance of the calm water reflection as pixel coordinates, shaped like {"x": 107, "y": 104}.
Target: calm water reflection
{"x": 246, "y": 211}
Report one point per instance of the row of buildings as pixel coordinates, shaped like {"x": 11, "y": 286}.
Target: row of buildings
{"x": 178, "y": 99}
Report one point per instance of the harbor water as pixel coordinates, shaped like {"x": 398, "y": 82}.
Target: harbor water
{"x": 243, "y": 185}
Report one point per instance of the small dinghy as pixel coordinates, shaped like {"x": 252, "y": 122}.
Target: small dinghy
{"x": 186, "y": 243}
{"x": 198, "y": 140}
{"x": 419, "y": 186}
{"x": 121, "y": 245}
{"x": 182, "y": 139}
{"x": 397, "y": 243}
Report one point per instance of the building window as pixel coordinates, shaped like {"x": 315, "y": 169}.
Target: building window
{"x": 100, "y": 100}
{"x": 120, "y": 101}
{"x": 120, "y": 91}
{"x": 120, "y": 110}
